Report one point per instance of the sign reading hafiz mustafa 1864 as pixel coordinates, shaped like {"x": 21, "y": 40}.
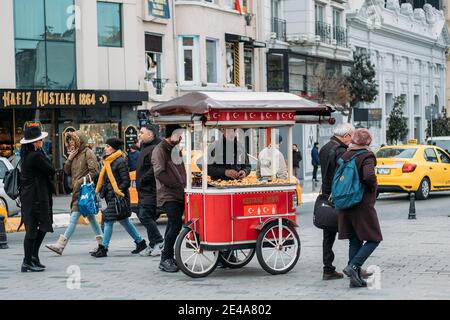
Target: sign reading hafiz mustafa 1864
{"x": 11, "y": 99}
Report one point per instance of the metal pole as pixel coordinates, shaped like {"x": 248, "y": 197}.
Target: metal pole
{"x": 431, "y": 138}
{"x": 412, "y": 206}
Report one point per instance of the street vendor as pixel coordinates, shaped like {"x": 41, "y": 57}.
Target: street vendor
{"x": 228, "y": 167}
{"x": 271, "y": 163}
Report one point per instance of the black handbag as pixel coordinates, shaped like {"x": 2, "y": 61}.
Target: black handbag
{"x": 11, "y": 182}
{"x": 325, "y": 215}
{"x": 122, "y": 207}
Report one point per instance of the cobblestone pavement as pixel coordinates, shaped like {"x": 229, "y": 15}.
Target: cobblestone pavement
{"x": 414, "y": 259}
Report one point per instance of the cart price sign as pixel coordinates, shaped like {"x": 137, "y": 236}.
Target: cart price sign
{"x": 260, "y": 210}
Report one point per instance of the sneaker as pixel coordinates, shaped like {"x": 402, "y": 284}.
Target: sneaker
{"x": 157, "y": 250}
{"x": 332, "y": 275}
{"x": 168, "y": 265}
{"x": 147, "y": 252}
{"x": 139, "y": 247}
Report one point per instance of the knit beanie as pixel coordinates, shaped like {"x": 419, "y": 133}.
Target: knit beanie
{"x": 115, "y": 143}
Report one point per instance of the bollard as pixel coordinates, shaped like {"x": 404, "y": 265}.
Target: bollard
{"x": 3, "y": 238}
{"x": 412, "y": 206}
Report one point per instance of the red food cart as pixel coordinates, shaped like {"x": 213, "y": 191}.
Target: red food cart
{"x": 228, "y": 222}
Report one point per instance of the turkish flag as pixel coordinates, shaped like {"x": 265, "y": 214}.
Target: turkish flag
{"x": 238, "y": 6}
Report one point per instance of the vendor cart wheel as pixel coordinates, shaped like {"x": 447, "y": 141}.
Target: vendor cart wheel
{"x": 237, "y": 258}
{"x": 191, "y": 258}
{"x": 278, "y": 247}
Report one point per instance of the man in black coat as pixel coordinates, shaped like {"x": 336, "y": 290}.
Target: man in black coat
{"x": 329, "y": 155}
{"x": 297, "y": 157}
{"x": 146, "y": 188}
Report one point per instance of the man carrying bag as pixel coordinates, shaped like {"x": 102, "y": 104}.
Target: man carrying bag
{"x": 325, "y": 215}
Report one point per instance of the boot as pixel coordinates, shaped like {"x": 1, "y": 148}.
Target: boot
{"x": 139, "y": 247}
{"x": 31, "y": 268}
{"x": 99, "y": 240}
{"x": 354, "y": 273}
{"x": 36, "y": 262}
{"x": 365, "y": 274}
{"x": 101, "y": 252}
{"x": 59, "y": 246}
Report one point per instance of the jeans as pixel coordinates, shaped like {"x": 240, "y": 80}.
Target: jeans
{"x": 147, "y": 216}
{"x": 359, "y": 253}
{"x": 174, "y": 212}
{"x": 127, "y": 225}
{"x": 295, "y": 172}
{"x": 73, "y": 224}
{"x": 329, "y": 236}
{"x": 316, "y": 168}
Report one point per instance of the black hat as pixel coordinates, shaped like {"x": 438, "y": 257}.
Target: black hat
{"x": 33, "y": 134}
{"x": 170, "y": 128}
{"x": 115, "y": 143}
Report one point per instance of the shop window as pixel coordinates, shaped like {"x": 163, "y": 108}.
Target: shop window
{"x": 275, "y": 72}
{"x": 109, "y": 24}
{"x": 297, "y": 75}
{"x": 153, "y": 56}
{"x": 189, "y": 60}
{"x": 99, "y": 133}
{"x": 44, "y": 44}
{"x": 248, "y": 63}
{"x": 211, "y": 61}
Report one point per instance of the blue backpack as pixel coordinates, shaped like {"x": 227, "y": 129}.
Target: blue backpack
{"x": 347, "y": 190}
{"x": 87, "y": 199}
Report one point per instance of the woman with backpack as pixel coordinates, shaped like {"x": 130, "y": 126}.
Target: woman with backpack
{"x": 113, "y": 185}
{"x": 360, "y": 223}
{"x": 36, "y": 189}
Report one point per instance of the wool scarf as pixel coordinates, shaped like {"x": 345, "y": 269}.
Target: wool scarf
{"x": 107, "y": 168}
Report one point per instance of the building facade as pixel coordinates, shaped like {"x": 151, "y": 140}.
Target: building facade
{"x": 68, "y": 65}
{"x": 408, "y": 47}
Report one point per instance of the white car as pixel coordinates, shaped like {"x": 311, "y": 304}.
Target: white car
{"x": 11, "y": 205}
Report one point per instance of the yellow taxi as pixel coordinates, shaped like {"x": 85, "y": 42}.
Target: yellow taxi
{"x": 413, "y": 168}
{"x": 3, "y": 209}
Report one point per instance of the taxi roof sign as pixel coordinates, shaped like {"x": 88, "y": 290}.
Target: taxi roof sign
{"x": 412, "y": 141}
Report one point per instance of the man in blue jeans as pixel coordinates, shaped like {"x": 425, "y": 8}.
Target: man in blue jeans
{"x": 146, "y": 188}
{"x": 170, "y": 177}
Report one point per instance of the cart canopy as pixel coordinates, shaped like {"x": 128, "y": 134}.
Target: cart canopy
{"x": 201, "y": 103}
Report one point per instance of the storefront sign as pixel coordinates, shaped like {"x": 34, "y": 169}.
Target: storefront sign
{"x": 63, "y": 141}
{"x": 130, "y": 136}
{"x": 29, "y": 99}
{"x": 159, "y": 8}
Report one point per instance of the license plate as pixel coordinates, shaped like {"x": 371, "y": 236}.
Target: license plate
{"x": 383, "y": 171}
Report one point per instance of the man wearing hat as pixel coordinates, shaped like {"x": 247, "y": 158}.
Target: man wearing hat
{"x": 146, "y": 188}
{"x": 170, "y": 183}
{"x": 36, "y": 191}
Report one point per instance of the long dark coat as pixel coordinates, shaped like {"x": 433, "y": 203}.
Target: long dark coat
{"x": 120, "y": 171}
{"x": 362, "y": 220}
{"x": 36, "y": 193}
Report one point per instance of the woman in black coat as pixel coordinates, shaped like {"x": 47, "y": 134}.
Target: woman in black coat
{"x": 114, "y": 182}
{"x": 36, "y": 190}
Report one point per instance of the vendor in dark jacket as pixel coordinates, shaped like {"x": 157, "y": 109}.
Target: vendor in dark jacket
{"x": 315, "y": 160}
{"x": 330, "y": 153}
{"x": 36, "y": 196}
{"x": 114, "y": 183}
{"x": 228, "y": 167}
{"x": 146, "y": 188}
{"x": 133, "y": 156}
{"x": 170, "y": 175}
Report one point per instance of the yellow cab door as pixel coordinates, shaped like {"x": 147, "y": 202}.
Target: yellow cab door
{"x": 432, "y": 167}
{"x": 444, "y": 167}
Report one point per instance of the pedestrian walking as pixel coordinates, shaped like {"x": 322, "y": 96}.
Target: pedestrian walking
{"x": 315, "y": 160}
{"x": 81, "y": 164}
{"x": 297, "y": 157}
{"x": 146, "y": 188}
{"x": 113, "y": 185}
{"x": 360, "y": 223}
{"x": 133, "y": 156}
{"x": 329, "y": 155}
{"x": 170, "y": 177}
{"x": 36, "y": 189}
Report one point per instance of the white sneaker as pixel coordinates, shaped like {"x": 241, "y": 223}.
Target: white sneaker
{"x": 146, "y": 252}
{"x": 157, "y": 250}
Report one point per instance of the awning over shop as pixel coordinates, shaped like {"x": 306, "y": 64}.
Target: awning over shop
{"x": 248, "y": 41}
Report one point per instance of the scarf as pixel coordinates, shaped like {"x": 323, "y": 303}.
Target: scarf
{"x": 353, "y": 147}
{"x": 107, "y": 168}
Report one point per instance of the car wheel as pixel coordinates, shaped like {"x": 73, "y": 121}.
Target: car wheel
{"x": 424, "y": 189}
